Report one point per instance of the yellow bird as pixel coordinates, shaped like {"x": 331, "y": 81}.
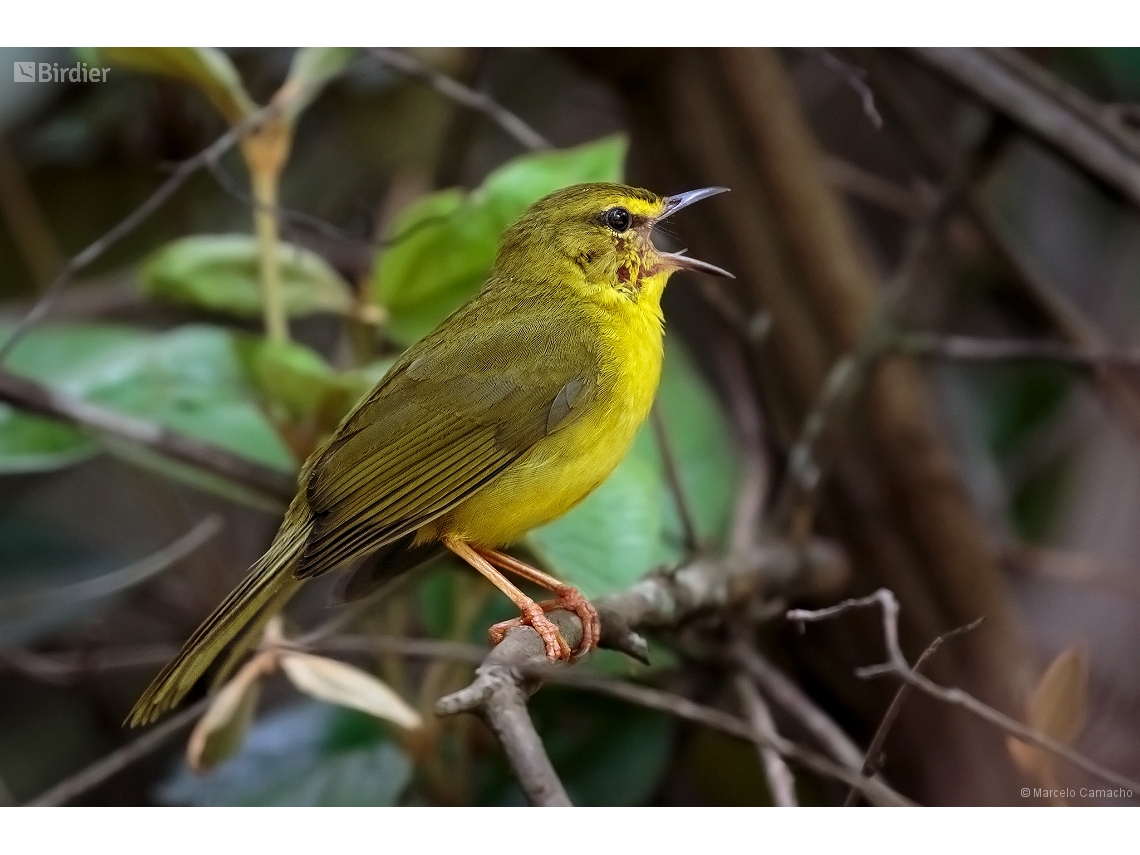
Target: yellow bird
{"x": 506, "y": 416}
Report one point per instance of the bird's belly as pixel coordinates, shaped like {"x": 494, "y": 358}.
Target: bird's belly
{"x": 563, "y": 468}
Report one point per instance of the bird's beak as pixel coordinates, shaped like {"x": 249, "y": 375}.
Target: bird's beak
{"x": 683, "y": 262}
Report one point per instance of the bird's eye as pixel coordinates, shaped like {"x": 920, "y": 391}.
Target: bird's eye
{"x": 618, "y": 219}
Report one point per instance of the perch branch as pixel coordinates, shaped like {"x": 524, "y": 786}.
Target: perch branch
{"x": 897, "y": 665}
{"x": 499, "y": 694}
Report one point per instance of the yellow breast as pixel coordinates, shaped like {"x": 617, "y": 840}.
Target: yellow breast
{"x": 564, "y": 467}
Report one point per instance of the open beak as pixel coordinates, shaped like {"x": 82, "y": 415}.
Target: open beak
{"x": 683, "y": 262}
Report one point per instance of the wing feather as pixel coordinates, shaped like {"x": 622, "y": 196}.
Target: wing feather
{"x": 456, "y": 411}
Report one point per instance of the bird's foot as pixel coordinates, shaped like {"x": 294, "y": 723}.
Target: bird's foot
{"x": 570, "y": 599}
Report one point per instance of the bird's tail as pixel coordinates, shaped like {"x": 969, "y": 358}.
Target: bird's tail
{"x": 269, "y": 581}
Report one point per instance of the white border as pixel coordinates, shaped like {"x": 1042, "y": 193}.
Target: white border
{"x": 561, "y": 23}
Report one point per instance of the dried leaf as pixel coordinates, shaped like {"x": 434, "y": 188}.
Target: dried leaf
{"x": 1057, "y": 705}
{"x": 339, "y": 683}
{"x": 1057, "y": 708}
{"x": 219, "y": 733}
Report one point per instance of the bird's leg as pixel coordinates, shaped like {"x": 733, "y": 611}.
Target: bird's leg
{"x": 568, "y": 598}
{"x": 532, "y": 613}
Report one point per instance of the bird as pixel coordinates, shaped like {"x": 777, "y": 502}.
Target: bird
{"x": 503, "y": 418}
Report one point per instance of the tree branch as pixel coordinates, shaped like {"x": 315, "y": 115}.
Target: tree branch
{"x": 897, "y": 665}
{"x": 499, "y": 694}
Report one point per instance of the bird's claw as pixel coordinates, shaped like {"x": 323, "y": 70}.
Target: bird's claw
{"x": 534, "y": 615}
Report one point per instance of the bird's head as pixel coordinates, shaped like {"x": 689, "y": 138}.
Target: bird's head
{"x": 598, "y": 237}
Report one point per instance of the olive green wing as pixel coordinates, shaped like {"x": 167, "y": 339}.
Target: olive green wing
{"x": 457, "y": 410}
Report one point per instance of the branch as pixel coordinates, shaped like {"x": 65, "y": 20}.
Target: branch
{"x": 1047, "y": 108}
{"x": 36, "y": 398}
{"x": 856, "y": 78}
{"x": 681, "y": 707}
{"x": 116, "y": 761}
{"x": 995, "y": 350}
{"x": 781, "y": 784}
{"x": 499, "y": 694}
{"x": 863, "y": 184}
{"x": 1069, "y": 322}
{"x": 874, "y": 756}
{"x": 523, "y": 133}
{"x": 667, "y": 599}
{"x": 897, "y": 665}
{"x": 777, "y": 687}
{"x": 64, "y": 667}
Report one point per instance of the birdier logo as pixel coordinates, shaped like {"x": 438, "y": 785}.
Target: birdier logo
{"x": 53, "y": 72}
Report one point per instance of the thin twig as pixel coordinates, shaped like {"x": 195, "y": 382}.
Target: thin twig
{"x": 781, "y": 784}
{"x": 1052, "y": 111}
{"x": 64, "y": 667}
{"x": 856, "y": 78}
{"x": 133, "y": 220}
{"x": 419, "y": 648}
{"x": 681, "y": 707}
{"x": 36, "y": 398}
{"x": 118, "y": 580}
{"x": 672, "y": 470}
{"x": 897, "y": 665}
{"x": 873, "y": 759}
{"x": 483, "y": 103}
{"x": 863, "y": 184}
{"x": 778, "y": 688}
{"x": 1009, "y": 349}
{"x": 116, "y": 761}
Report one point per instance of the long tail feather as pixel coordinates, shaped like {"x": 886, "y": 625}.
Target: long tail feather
{"x": 269, "y": 580}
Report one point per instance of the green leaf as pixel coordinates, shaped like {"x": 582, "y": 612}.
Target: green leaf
{"x": 221, "y": 273}
{"x": 702, "y": 444}
{"x": 312, "y": 68}
{"x": 189, "y": 379}
{"x": 34, "y": 444}
{"x": 443, "y": 246}
{"x": 630, "y": 525}
{"x": 207, "y": 69}
{"x": 310, "y": 754}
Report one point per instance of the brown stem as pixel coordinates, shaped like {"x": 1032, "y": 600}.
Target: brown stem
{"x": 36, "y": 398}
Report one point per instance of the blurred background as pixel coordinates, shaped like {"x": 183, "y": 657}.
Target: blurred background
{"x": 915, "y": 218}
